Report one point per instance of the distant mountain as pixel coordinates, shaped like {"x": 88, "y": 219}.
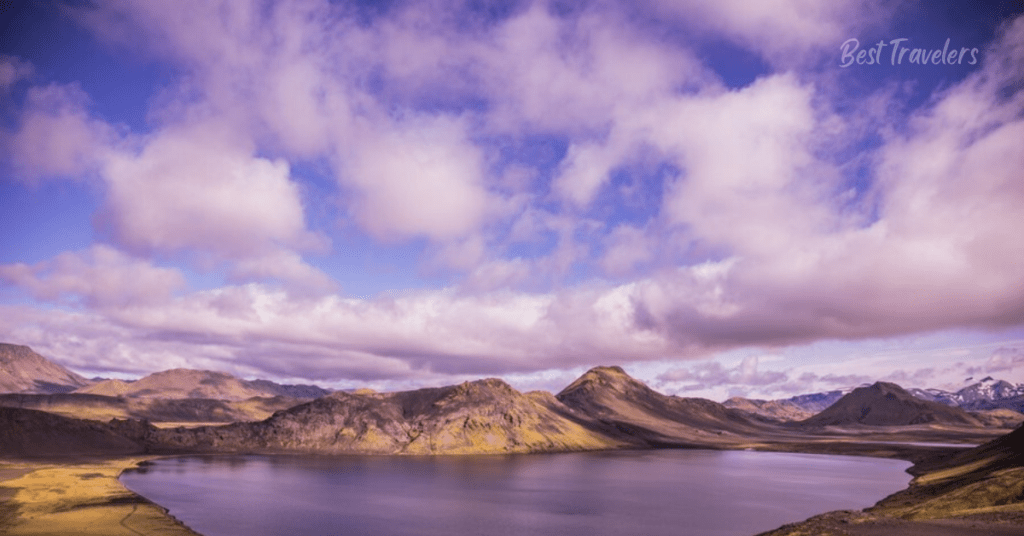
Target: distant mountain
{"x": 484, "y": 416}
{"x": 621, "y": 406}
{"x": 185, "y": 410}
{"x": 989, "y": 393}
{"x": 187, "y": 383}
{"x": 815, "y": 402}
{"x": 888, "y": 404}
{"x": 24, "y": 371}
{"x": 796, "y": 408}
{"x": 779, "y": 410}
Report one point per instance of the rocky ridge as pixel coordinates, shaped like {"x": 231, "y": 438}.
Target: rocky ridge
{"x": 24, "y": 371}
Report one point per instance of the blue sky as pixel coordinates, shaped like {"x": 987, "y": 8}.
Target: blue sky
{"x": 406, "y": 194}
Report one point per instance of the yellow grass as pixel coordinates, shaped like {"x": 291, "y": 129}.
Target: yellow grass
{"x": 82, "y": 498}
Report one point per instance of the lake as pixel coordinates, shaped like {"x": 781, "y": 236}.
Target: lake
{"x": 661, "y": 492}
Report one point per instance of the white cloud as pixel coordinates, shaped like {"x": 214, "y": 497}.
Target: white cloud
{"x": 56, "y": 136}
{"x": 100, "y": 277}
{"x": 785, "y": 32}
{"x": 198, "y": 187}
{"x": 418, "y": 177}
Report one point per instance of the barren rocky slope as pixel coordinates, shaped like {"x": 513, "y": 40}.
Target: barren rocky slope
{"x": 610, "y": 400}
{"x": 485, "y": 416}
{"x": 103, "y": 408}
{"x": 779, "y": 410}
{"x": 24, "y": 371}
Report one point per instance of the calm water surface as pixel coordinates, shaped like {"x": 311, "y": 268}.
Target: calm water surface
{"x": 669, "y": 492}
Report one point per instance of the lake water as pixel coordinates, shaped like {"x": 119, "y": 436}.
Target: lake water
{"x": 677, "y": 492}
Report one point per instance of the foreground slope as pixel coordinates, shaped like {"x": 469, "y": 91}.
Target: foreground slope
{"x": 985, "y": 480}
{"x": 26, "y": 433}
{"x": 24, "y": 371}
{"x": 976, "y": 492}
{"x": 485, "y": 416}
{"x": 888, "y": 404}
{"x": 620, "y": 406}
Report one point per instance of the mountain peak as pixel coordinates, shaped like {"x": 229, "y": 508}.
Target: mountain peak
{"x": 22, "y": 370}
{"x": 884, "y": 403}
{"x": 607, "y": 376}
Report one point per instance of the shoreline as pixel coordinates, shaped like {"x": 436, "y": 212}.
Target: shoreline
{"x": 86, "y": 495}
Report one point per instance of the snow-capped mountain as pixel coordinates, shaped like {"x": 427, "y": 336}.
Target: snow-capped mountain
{"x": 989, "y": 393}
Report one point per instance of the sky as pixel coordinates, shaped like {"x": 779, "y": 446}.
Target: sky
{"x": 727, "y": 199}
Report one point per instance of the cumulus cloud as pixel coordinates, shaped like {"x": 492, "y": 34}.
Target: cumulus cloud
{"x": 199, "y": 187}
{"x": 751, "y": 240}
{"x": 12, "y": 71}
{"x": 421, "y": 177}
{"x": 710, "y": 374}
{"x": 56, "y": 136}
{"x": 100, "y": 277}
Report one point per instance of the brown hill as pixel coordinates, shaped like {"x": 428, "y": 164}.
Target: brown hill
{"x": 888, "y": 404}
{"x": 187, "y": 383}
{"x": 24, "y": 371}
{"x": 104, "y": 408}
{"x": 779, "y": 410}
{"x": 623, "y": 407}
{"x": 26, "y": 433}
{"x": 485, "y": 416}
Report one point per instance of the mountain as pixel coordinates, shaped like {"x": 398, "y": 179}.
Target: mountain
{"x": 484, "y": 416}
{"x": 815, "y": 402}
{"x": 24, "y": 371}
{"x": 988, "y": 393}
{"x": 888, "y": 404}
{"x": 611, "y": 401}
{"x": 187, "y": 383}
{"x": 795, "y": 408}
{"x": 779, "y": 410}
{"x": 185, "y": 410}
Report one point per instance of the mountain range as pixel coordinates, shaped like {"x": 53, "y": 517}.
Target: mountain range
{"x": 997, "y": 400}
{"x": 187, "y": 383}
{"x": 988, "y": 393}
{"x": 888, "y": 404}
{"x": 603, "y": 408}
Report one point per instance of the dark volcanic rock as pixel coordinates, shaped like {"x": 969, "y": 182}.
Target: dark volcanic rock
{"x": 26, "y": 433}
{"x": 888, "y": 404}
